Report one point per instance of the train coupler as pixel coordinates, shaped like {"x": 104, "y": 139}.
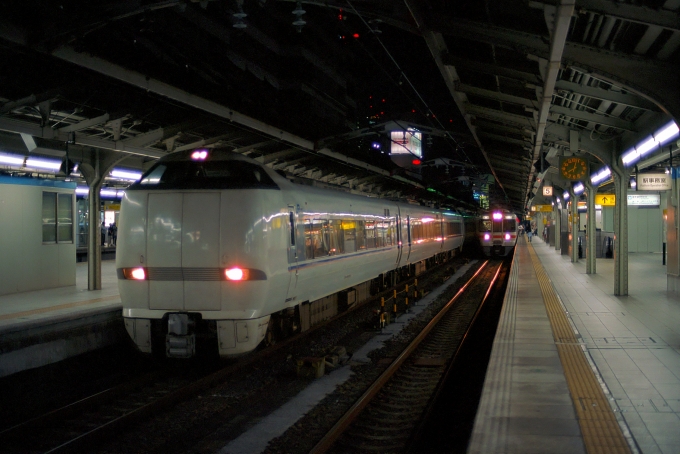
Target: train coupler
{"x": 179, "y": 343}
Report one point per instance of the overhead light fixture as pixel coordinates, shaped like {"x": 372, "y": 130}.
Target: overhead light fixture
{"x": 565, "y": 195}
{"x": 299, "y": 22}
{"x": 239, "y": 16}
{"x": 579, "y": 188}
{"x": 601, "y": 175}
{"x": 30, "y": 162}
{"x": 124, "y": 174}
{"x": 658, "y": 139}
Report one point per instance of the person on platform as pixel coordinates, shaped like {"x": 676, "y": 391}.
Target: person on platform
{"x": 529, "y": 234}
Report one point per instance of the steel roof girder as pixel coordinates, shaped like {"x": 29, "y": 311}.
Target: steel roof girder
{"x": 496, "y": 95}
{"x": 606, "y": 95}
{"x": 145, "y": 139}
{"x": 505, "y": 139}
{"x": 134, "y": 78}
{"x": 593, "y": 118}
{"x": 501, "y": 116}
{"x": 626, "y": 11}
{"x": 18, "y": 126}
{"x": 88, "y": 123}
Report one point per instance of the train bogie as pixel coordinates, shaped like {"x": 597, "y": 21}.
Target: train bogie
{"x": 215, "y": 246}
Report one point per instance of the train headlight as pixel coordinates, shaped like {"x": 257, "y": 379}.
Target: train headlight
{"x": 507, "y": 237}
{"x": 135, "y": 274}
{"x": 487, "y": 237}
{"x": 236, "y": 274}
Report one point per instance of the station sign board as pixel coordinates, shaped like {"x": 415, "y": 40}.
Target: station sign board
{"x": 653, "y": 182}
{"x": 607, "y": 200}
{"x": 644, "y": 199}
{"x": 542, "y": 208}
{"x": 548, "y": 191}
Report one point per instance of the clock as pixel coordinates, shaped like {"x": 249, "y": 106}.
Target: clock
{"x": 573, "y": 167}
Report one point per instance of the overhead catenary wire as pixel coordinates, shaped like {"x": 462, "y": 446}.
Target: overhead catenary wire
{"x": 402, "y": 74}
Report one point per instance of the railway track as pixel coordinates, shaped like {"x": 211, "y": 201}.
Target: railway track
{"x": 85, "y": 424}
{"x": 388, "y": 416}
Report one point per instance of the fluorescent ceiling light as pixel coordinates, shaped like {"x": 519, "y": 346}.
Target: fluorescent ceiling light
{"x": 601, "y": 175}
{"x": 124, "y": 174}
{"x": 659, "y": 138}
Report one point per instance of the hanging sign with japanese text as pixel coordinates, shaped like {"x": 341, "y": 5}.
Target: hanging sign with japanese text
{"x": 653, "y": 182}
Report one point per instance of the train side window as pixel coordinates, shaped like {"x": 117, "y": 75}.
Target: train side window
{"x": 379, "y": 234}
{"x": 336, "y": 237}
{"x": 323, "y": 247}
{"x": 389, "y": 231}
{"x": 316, "y": 241}
{"x": 370, "y": 234}
{"x": 349, "y": 235}
{"x": 360, "y": 235}
{"x": 309, "y": 239}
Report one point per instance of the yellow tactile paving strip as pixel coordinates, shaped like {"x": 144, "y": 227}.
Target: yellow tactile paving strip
{"x": 44, "y": 310}
{"x": 599, "y": 427}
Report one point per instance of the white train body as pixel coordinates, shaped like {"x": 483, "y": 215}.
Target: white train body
{"x": 497, "y": 231}
{"x": 215, "y": 245}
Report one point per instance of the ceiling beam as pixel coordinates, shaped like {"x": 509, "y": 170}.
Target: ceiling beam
{"x": 606, "y": 95}
{"x": 496, "y": 95}
{"x": 629, "y": 12}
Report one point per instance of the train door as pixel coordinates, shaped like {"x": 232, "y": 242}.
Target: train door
{"x": 399, "y": 245}
{"x": 441, "y": 230}
{"x": 296, "y": 252}
{"x": 408, "y": 236}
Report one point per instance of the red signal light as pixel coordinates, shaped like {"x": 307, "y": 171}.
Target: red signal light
{"x": 416, "y": 162}
{"x": 355, "y": 36}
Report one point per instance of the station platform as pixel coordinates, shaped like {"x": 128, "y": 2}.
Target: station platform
{"x": 574, "y": 368}
{"x": 46, "y": 326}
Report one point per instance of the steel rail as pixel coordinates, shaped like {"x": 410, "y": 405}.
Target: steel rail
{"x": 343, "y": 423}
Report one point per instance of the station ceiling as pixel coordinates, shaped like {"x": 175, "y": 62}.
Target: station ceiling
{"x": 308, "y": 87}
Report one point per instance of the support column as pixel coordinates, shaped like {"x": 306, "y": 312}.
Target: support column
{"x": 591, "y": 232}
{"x": 573, "y": 225}
{"x": 558, "y": 225}
{"x": 673, "y": 234}
{"x": 621, "y": 179}
{"x": 95, "y": 170}
{"x": 94, "y": 245}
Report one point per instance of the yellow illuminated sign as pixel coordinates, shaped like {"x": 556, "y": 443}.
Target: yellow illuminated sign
{"x": 542, "y": 208}
{"x": 605, "y": 199}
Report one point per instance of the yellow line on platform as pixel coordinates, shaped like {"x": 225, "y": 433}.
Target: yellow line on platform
{"x": 599, "y": 427}
{"x": 44, "y": 310}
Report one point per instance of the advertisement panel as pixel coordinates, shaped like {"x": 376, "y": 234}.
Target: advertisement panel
{"x": 406, "y": 142}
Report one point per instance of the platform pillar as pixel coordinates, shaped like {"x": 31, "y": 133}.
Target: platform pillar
{"x": 99, "y": 164}
{"x": 558, "y": 225}
{"x": 591, "y": 245}
{"x": 673, "y": 233}
{"x": 573, "y": 225}
{"x": 621, "y": 179}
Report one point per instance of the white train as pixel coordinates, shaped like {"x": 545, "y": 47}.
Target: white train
{"x": 497, "y": 230}
{"x": 216, "y": 250}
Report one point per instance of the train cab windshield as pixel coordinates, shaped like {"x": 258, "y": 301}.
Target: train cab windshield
{"x": 217, "y": 174}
